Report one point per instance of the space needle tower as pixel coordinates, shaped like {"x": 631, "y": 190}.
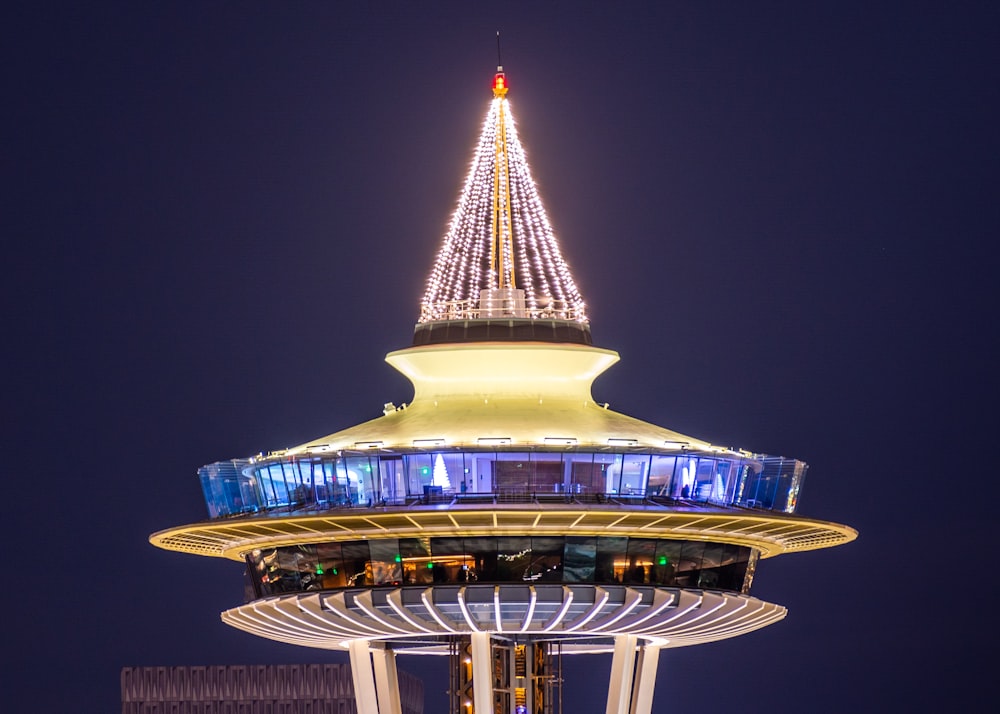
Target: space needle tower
{"x": 502, "y": 518}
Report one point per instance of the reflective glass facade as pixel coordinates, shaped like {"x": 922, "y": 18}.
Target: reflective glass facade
{"x": 501, "y": 559}
{"x": 377, "y": 477}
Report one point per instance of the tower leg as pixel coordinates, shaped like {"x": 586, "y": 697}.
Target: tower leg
{"x": 482, "y": 673}
{"x": 645, "y": 680}
{"x": 386, "y": 681}
{"x": 361, "y": 673}
{"x": 622, "y": 668}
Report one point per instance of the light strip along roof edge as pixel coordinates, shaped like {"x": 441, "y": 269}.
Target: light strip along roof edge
{"x": 770, "y": 533}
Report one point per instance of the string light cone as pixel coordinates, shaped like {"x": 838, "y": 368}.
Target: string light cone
{"x": 503, "y": 518}
{"x": 500, "y": 245}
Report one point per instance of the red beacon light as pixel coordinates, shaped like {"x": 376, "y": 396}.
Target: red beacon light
{"x": 500, "y": 84}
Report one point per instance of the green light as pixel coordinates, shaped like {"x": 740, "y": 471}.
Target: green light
{"x": 335, "y": 571}
{"x": 424, "y": 471}
{"x": 319, "y": 569}
{"x": 430, "y": 565}
{"x": 663, "y": 560}
{"x": 399, "y": 559}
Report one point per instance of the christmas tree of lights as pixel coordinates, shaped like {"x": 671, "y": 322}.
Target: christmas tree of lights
{"x": 440, "y": 476}
{"x": 500, "y": 242}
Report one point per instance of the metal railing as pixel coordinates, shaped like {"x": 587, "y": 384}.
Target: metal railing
{"x": 472, "y": 310}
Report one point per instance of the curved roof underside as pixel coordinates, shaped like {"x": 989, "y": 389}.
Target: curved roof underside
{"x": 419, "y": 621}
{"x": 770, "y": 533}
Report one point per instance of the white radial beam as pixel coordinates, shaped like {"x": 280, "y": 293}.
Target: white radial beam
{"x": 365, "y": 604}
{"x": 395, "y": 600}
{"x": 532, "y": 601}
{"x": 636, "y": 598}
{"x": 427, "y": 598}
{"x": 567, "y": 601}
{"x": 601, "y": 597}
{"x": 465, "y": 611}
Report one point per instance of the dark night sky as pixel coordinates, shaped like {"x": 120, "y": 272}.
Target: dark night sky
{"x": 218, "y": 218}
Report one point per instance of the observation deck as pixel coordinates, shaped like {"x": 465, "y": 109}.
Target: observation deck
{"x": 503, "y": 516}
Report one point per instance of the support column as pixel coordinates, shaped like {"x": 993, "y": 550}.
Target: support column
{"x": 622, "y": 669}
{"x": 482, "y": 673}
{"x": 645, "y": 680}
{"x": 361, "y": 674}
{"x": 386, "y": 681}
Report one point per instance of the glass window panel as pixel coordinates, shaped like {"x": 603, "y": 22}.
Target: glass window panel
{"x": 387, "y": 568}
{"x": 417, "y": 563}
{"x": 465, "y": 479}
{"x": 293, "y": 569}
{"x": 690, "y": 564}
{"x": 228, "y": 489}
{"x": 451, "y": 563}
{"x": 635, "y": 471}
{"x": 549, "y": 473}
{"x": 710, "y": 562}
{"x": 343, "y": 487}
{"x": 287, "y": 476}
{"x": 666, "y": 561}
{"x": 733, "y": 567}
{"x": 483, "y": 552}
{"x": 419, "y": 471}
{"x": 448, "y": 472}
{"x": 687, "y": 476}
{"x": 661, "y": 471}
{"x": 361, "y": 480}
{"x": 585, "y": 476}
{"x": 546, "y": 559}
{"x": 579, "y": 559}
{"x": 331, "y": 561}
{"x": 263, "y": 478}
{"x": 513, "y": 558}
{"x": 514, "y": 472}
{"x": 357, "y": 562}
{"x": 308, "y": 567}
{"x": 480, "y": 467}
{"x": 610, "y": 565}
{"x": 392, "y": 479}
{"x": 704, "y": 480}
{"x": 639, "y": 566}
{"x": 609, "y": 467}
{"x": 257, "y": 570}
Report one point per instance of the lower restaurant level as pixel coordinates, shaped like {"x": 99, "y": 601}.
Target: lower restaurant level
{"x": 501, "y": 559}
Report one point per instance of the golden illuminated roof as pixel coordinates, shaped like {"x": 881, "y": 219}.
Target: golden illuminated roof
{"x": 513, "y": 393}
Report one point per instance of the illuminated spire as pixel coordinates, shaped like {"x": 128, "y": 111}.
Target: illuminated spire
{"x": 500, "y": 256}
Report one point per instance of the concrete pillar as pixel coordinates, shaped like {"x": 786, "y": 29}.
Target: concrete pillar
{"x": 482, "y": 673}
{"x": 361, "y": 673}
{"x": 622, "y": 668}
{"x": 386, "y": 681}
{"x": 645, "y": 680}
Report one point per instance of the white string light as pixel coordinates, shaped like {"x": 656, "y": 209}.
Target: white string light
{"x": 462, "y": 268}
